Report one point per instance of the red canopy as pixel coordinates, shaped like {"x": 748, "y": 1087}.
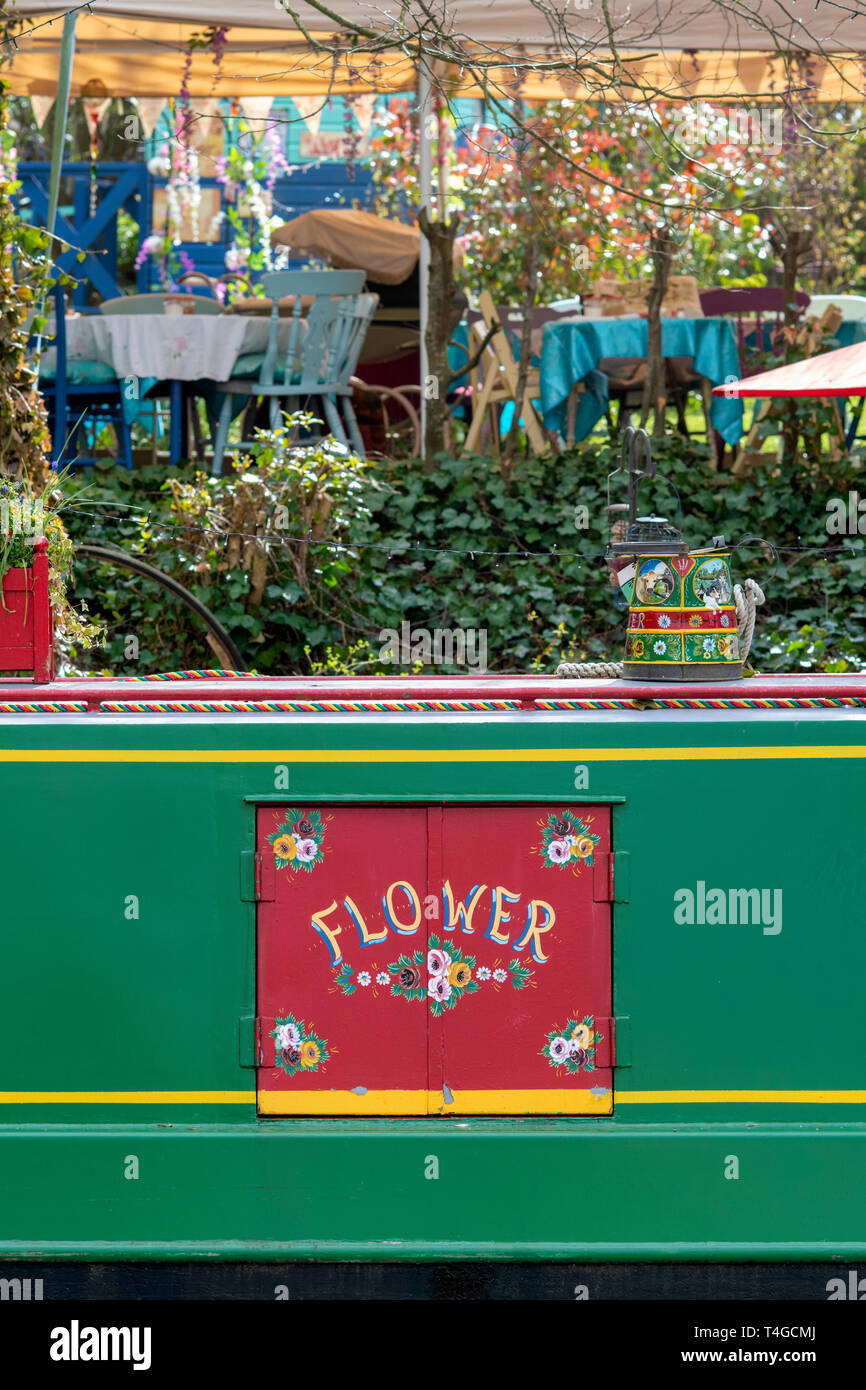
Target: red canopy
{"x": 839, "y": 373}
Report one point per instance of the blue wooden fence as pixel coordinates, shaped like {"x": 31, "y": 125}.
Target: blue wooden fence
{"x": 129, "y": 186}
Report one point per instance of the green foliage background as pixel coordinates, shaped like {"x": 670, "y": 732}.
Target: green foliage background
{"x": 416, "y": 547}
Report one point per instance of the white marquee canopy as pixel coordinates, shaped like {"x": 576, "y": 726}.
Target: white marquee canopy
{"x": 681, "y": 47}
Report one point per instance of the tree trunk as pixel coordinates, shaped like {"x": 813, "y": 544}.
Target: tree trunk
{"x": 654, "y": 388}
{"x": 793, "y": 247}
{"x": 441, "y": 290}
{"x": 530, "y": 266}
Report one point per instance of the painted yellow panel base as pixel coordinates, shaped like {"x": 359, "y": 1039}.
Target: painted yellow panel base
{"x": 552, "y": 1102}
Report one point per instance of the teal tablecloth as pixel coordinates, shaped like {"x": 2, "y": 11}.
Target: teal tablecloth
{"x": 571, "y": 352}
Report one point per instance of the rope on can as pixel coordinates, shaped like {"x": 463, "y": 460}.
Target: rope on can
{"x": 747, "y": 598}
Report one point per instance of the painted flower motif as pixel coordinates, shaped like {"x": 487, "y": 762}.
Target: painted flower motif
{"x": 659, "y": 648}
{"x": 439, "y": 989}
{"x": 410, "y": 977}
{"x": 638, "y": 647}
{"x": 438, "y": 962}
{"x": 500, "y": 975}
{"x": 559, "y": 851}
{"x": 459, "y": 974}
{"x": 573, "y": 1046}
{"x": 363, "y": 977}
{"x": 297, "y": 841}
{"x": 561, "y": 828}
{"x": 709, "y": 646}
{"x": 664, "y": 620}
{"x": 582, "y": 847}
{"x": 725, "y": 619}
{"x": 297, "y": 1047}
{"x": 383, "y": 978}
{"x": 483, "y": 973}
{"x": 288, "y": 1036}
{"x": 694, "y": 620}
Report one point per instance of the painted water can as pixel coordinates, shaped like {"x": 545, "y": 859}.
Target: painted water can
{"x": 682, "y": 621}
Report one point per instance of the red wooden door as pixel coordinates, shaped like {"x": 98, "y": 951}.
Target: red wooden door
{"x": 335, "y": 1039}
{"x": 518, "y": 907}
{"x": 435, "y": 960}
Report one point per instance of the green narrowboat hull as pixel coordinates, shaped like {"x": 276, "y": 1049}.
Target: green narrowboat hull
{"x": 739, "y": 1122}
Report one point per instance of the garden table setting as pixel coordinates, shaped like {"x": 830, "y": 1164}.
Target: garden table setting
{"x": 143, "y": 349}
{"x": 572, "y": 349}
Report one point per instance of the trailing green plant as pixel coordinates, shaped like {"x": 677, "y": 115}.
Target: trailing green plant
{"x": 26, "y": 514}
{"x": 25, "y": 278}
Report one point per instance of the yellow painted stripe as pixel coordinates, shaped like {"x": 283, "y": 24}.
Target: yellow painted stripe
{"x": 746, "y": 1097}
{"x": 412, "y": 755}
{"x": 127, "y": 1097}
{"x": 430, "y": 1102}
{"x": 417, "y": 1102}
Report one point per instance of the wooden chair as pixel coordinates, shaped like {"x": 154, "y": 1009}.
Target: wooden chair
{"x": 852, "y": 307}
{"x": 80, "y": 398}
{"x": 494, "y": 381}
{"x": 320, "y": 357}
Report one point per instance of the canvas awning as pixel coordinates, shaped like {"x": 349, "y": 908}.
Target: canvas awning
{"x": 838, "y": 373}
{"x": 687, "y": 49}
{"x": 388, "y": 251}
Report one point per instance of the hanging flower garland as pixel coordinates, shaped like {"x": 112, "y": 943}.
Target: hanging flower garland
{"x": 248, "y": 173}
{"x": 179, "y": 161}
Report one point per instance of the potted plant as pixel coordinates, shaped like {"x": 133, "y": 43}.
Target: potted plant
{"x": 26, "y": 615}
{"x": 35, "y": 564}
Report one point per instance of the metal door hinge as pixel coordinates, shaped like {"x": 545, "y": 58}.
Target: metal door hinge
{"x": 605, "y": 1044}
{"x": 258, "y": 877}
{"x": 610, "y": 877}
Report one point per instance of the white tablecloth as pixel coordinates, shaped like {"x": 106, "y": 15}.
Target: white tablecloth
{"x": 179, "y": 347}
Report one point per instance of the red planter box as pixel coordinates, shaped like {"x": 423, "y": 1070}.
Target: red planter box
{"x": 27, "y": 620}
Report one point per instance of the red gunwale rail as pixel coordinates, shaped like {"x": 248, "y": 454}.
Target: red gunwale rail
{"x": 523, "y": 691}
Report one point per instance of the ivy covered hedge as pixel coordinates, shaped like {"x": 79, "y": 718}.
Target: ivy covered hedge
{"x": 363, "y": 549}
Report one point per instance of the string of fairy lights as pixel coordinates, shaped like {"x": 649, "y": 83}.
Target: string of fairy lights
{"x": 400, "y": 549}
{"x": 12, "y": 40}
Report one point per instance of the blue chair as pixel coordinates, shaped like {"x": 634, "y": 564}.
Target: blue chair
{"x": 320, "y": 355}
{"x": 81, "y": 397}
